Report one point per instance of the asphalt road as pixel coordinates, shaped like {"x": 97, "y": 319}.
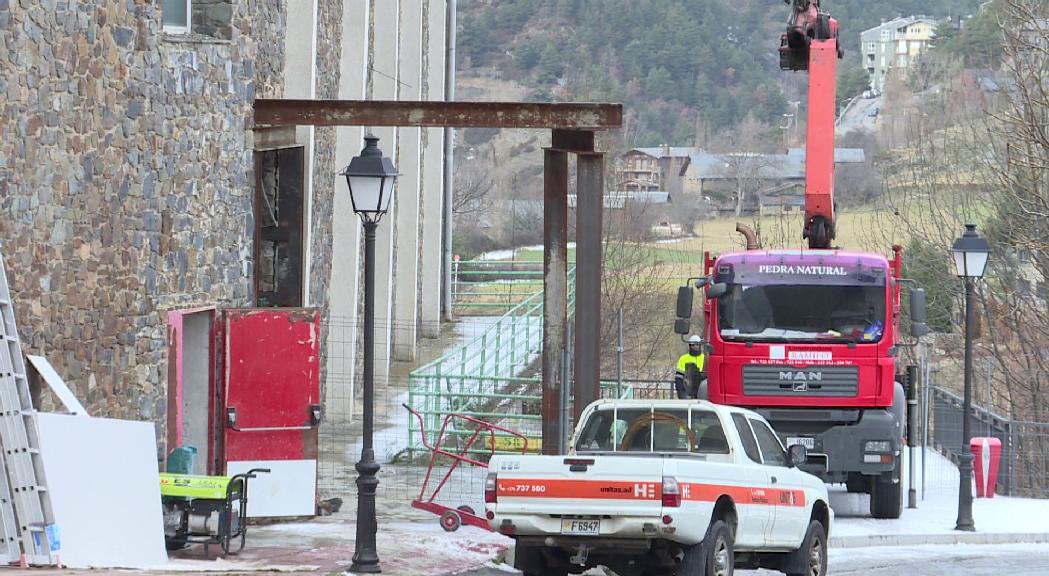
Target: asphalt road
{"x": 962, "y": 560}
{"x": 857, "y": 116}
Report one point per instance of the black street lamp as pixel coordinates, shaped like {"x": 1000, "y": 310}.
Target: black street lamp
{"x": 970, "y": 257}
{"x": 370, "y": 177}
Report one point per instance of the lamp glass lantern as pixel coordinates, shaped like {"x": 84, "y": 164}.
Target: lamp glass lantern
{"x": 970, "y": 253}
{"x": 370, "y": 177}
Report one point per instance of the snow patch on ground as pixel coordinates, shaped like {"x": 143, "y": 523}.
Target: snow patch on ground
{"x": 508, "y": 254}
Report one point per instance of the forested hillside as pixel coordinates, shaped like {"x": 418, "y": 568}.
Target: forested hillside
{"x": 678, "y": 65}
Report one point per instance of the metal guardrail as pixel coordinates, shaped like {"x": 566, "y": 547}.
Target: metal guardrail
{"x": 490, "y": 287}
{"x": 485, "y": 379}
{"x": 1024, "y": 466}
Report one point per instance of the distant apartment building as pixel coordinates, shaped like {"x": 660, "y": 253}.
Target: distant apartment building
{"x": 894, "y": 44}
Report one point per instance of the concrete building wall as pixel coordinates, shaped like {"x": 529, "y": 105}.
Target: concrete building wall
{"x": 409, "y": 185}
{"x": 382, "y": 81}
{"x": 432, "y": 212}
{"x": 339, "y": 384}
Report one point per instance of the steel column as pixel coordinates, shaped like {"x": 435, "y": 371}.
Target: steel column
{"x": 589, "y": 194}
{"x": 555, "y": 294}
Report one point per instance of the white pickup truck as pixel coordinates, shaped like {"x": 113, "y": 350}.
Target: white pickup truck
{"x": 653, "y": 487}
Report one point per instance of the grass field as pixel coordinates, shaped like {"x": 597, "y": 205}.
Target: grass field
{"x": 860, "y": 229}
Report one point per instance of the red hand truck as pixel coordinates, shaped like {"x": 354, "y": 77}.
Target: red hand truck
{"x": 452, "y": 518}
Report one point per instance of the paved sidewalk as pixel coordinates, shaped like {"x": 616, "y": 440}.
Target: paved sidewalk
{"x": 999, "y": 520}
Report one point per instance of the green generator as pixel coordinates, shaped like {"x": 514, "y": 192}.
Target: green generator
{"x": 206, "y": 510}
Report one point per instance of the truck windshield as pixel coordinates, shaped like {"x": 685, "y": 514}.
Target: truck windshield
{"x": 644, "y": 429}
{"x": 813, "y": 313}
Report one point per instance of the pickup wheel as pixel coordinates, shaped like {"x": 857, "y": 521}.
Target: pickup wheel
{"x": 813, "y": 551}
{"x": 529, "y": 561}
{"x": 714, "y": 556}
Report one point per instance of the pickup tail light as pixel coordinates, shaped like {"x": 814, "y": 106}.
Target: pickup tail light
{"x": 671, "y": 492}
{"x": 490, "y": 486}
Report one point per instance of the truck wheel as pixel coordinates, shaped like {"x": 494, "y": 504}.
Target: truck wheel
{"x": 857, "y": 484}
{"x": 713, "y": 556}
{"x": 814, "y": 551}
{"x": 887, "y": 498}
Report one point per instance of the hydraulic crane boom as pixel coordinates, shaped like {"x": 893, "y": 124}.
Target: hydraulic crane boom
{"x": 811, "y": 43}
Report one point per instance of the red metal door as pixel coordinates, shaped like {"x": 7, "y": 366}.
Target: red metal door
{"x": 271, "y": 404}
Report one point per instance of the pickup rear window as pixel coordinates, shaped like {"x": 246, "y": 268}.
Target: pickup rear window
{"x": 639, "y": 429}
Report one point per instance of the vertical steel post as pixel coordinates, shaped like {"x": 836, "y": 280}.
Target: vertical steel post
{"x": 912, "y": 434}
{"x": 619, "y": 355}
{"x": 555, "y": 288}
{"x": 965, "y": 460}
{"x": 926, "y": 378}
{"x": 365, "y": 555}
{"x": 562, "y": 421}
{"x": 590, "y": 195}
{"x": 449, "y": 156}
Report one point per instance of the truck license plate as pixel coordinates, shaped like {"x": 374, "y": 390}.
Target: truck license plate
{"x": 578, "y": 527}
{"x": 809, "y": 443}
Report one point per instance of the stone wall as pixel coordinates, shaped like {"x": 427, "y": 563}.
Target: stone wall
{"x": 126, "y": 181}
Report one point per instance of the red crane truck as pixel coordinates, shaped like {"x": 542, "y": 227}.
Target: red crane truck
{"x": 809, "y": 338}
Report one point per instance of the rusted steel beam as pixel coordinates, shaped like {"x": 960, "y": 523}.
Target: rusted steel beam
{"x": 555, "y": 292}
{"x": 590, "y": 188}
{"x": 572, "y": 140}
{"x": 569, "y": 116}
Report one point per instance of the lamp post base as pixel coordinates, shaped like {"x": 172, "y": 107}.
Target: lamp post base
{"x": 965, "y": 497}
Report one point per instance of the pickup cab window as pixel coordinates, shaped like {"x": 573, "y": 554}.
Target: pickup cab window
{"x": 750, "y": 445}
{"x": 771, "y": 449}
{"x": 638, "y": 429}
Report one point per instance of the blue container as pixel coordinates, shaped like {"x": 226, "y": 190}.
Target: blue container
{"x": 182, "y": 460}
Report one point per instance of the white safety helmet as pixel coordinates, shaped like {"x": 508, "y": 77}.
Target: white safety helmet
{"x": 695, "y": 339}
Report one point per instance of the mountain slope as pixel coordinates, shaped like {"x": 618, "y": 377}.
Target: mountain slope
{"x": 680, "y": 66}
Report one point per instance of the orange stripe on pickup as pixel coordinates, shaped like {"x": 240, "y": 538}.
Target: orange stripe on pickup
{"x": 589, "y": 489}
{"x": 619, "y": 490}
{"x": 743, "y": 494}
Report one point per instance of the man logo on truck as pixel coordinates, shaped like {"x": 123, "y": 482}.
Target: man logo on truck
{"x": 800, "y": 376}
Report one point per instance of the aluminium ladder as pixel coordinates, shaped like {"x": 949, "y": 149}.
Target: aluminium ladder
{"x": 21, "y": 469}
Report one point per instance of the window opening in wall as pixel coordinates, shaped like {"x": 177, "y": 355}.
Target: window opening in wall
{"x": 177, "y": 16}
{"x": 206, "y": 18}
{"x": 279, "y": 184}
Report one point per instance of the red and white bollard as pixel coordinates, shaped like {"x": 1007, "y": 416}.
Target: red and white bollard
{"x": 986, "y": 454}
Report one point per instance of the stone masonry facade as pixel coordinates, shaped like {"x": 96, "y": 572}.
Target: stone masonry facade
{"x": 127, "y": 178}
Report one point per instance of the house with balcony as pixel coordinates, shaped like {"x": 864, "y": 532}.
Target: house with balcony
{"x": 656, "y": 169}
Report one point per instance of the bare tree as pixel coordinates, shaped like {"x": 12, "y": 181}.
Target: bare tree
{"x": 471, "y": 192}
{"x": 985, "y": 160}
{"x": 637, "y": 285}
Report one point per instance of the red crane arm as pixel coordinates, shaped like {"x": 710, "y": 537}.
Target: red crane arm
{"x": 811, "y": 43}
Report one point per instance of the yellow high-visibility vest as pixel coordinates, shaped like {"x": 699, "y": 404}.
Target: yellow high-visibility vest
{"x": 686, "y": 359}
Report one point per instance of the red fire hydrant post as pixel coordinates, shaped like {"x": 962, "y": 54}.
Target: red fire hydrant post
{"x": 986, "y": 454}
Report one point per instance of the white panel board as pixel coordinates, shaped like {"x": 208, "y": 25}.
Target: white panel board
{"x": 290, "y": 489}
{"x": 105, "y": 491}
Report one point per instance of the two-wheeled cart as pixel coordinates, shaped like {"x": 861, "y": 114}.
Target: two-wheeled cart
{"x": 452, "y": 518}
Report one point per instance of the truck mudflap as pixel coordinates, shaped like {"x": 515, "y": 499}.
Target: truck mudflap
{"x": 869, "y": 446}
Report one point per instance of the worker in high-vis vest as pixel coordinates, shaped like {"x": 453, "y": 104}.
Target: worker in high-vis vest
{"x": 690, "y": 369}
